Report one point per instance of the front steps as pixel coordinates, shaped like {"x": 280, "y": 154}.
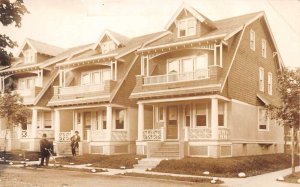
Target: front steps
{"x": 167, "y": 150}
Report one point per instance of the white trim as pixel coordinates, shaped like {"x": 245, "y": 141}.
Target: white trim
{"x": 264, "y": 48}
{"x": 186, "y": 29}
{"x": 177, "y": 89}
{"x": 261, "y": 79}
{"x": 183, "y": 99}
{"x": 258, "y": 120}
{"x": 195, "y": 115}
{"x": 233, "y": 58}
{"x": 270, "y": 83}
{"x": 23, "y": 45}
{"x": 220, "y": 36}
{"x": 252, "y": 39}
{"x": 79, "y": 99}
{"x": 241, "y": 102}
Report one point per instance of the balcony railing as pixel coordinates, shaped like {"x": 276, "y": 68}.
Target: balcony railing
{"x": 177, "y": 77}
{"x": 80, "y": 89}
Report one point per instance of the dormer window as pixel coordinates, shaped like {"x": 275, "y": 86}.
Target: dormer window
{"x": 29, "y": 57}
{"x": 186, "y": 27}
{"x": 107, "y": 47}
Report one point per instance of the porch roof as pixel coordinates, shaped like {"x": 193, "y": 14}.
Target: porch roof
{"x": 78, "y": 101}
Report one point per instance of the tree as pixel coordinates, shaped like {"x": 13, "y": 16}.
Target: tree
{"x": 10, "y": 12}
{"x": 13, "y": 111}
{"x": 288, "y": 113}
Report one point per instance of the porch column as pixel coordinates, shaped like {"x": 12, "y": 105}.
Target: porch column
{"x": 214, "y": 118}
{"x": 109, "y": 122}
{"x": 34, "y": 123}
{"x": 56, "y": 124}
{"x": 140, "y": 121}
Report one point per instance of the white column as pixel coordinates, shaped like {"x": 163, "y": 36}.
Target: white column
{"x": 60, "y": 78}
{"x": 221, "y": 54}
{"x": 140, "y": 121}
{"x": 215, "y": 54}
{"x": 109, "y": 122}
{"x": 214, "y": 118}
{"x": 56, "y": 124}
{"x": 34, "y": 124}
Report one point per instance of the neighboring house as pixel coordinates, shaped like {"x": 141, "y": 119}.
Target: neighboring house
{"x": 32, "y": 75}
{"x": 203, "y": 86}
{"x": 92, "y": 96}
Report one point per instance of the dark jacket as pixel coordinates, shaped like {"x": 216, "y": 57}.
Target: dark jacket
{"x": 45, "y": 145}
{"x": 74, "y": 141}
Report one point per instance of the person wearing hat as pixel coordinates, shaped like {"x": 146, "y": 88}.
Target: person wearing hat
{"x": 45, "y": 148}
{"x": 74, "y": 142}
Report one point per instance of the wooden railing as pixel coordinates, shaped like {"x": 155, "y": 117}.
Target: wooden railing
{"x": 80, "y": 89}
{"x": 64, "y": 136}
{"x": 199, "y": 133}
{"x": 177, "y": 77}
{"x": 223, "y": 134}
{"x": 153, "y": 135}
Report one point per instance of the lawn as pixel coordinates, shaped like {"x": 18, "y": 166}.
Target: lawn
{"x": 102, "y": 161}
{"x": 20, "y": 155}
{"x": 292, "y": 178}
{"x": 227, "y": 167}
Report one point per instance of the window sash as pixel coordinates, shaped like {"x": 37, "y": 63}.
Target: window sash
{"x": 270, "y": 83}
{"x": 252, "y": 40}
{"x": 264, "y": 48}
{"x": 261, "y": 79}
{"x": 120, "y": 116}
{"x": 186, "y": 27}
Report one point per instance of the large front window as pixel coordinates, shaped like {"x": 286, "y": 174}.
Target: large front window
{"x": 186, "y": 27}
{"x": 95, "y": 77}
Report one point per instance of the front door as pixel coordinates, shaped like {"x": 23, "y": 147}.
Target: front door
{"x": 172, "y": 122}
{"x": 86, "y": 124}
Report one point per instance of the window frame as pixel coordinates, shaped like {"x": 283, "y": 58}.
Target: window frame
{"x": 267, "y": 120}
{"x": 185, "y": 115}
{"x": 270, "y": 83}
{"x": 195, "y": 115}
{"x": 252, "y": 40}
{"x": 117, "y": 118}
{"x": 90, "y": 76}
{"x": 108, "y": 46}
{"x": 261, "y": 81}
{"x": 186, "y": 27}
{"x": 264, "y": 48}
{"x": 29, "y": 56}
{"x": 26, "y": 83}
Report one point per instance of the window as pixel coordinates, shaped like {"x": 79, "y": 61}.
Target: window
{"x": 252, "y": 40}
{"x": 270, "y": 84}
{"x": 200, "y": 115}
{"x": 160, "y": 114}
{"x": 104, "y": 119}
{"x": 85, "y": 79}
{"x": 263, "y": 121}
{"x": 261, "y": 79}
{"x": 29, "y": 56}
{"x": 47, "y": 120}
{"x": 221, "y": 115}
{"x": 173, "y": 66}
{"x": 187, "y": 115}
{"x": 186, "y": 27}
{"x": 108, "y": 46}
{"x": 98, "y": 127}
{"x": 201, "y": 66}
{"x": 95, "y": 77}
{"x": 78, "y": 118}
{"x": 264, "y": 48}
{"x": 187, "y": 65}
{"x": 120, "y": 119}
{"x": 26, "y": 83}
{"x": 144, "y": 65}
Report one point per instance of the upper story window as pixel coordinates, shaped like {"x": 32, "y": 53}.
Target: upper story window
{"x": 270, "y": 83}
{"x": 187, "y": 64}
{"x": 261, "y": 79}
{"x": 252, "y": 40}
{"x": 26, "y": 83}
{"x": 264, "y": 48}
{"x": 263, "y": 121}
{"x": 95, "y": 77}
{"x": 186, "y": 27}
{"x": 108, "y": 46}
{"x": 29, "y": 56}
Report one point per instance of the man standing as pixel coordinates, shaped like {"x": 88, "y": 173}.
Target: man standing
{"x": 74, "y": 142}
{"x": 45, "y": 147}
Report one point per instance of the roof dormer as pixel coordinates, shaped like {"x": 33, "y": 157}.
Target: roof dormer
{"x": 189, "y": 22}
{"x": 110, "y": 41}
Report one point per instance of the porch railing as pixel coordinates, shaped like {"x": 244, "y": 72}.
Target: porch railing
{"x": 199, "y": 133}
{"x": 177, "y": 77}
{"x": 119, "y": 135}
{"x": 223, "y": 134}
{"x": 80, "y": 89}
{"x": 25, "y": 134}
{"x": 153, "y": 134}
{"x": 64, "y": 136}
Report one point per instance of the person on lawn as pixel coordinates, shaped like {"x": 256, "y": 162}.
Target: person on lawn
{"x": 74, "y": 142}
{"x": 45, "y": 148}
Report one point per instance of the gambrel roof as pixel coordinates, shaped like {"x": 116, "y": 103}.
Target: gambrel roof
{"x": 40, "y": 47}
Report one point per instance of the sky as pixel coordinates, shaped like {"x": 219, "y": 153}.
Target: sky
{"x": 68, "y": 23}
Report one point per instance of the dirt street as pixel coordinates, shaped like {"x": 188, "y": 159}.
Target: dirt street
{"x": 29, "y": 177}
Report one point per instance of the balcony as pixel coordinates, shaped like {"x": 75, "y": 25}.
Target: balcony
{"x": 83, "y": 91}
{"x": 29, "y": 94}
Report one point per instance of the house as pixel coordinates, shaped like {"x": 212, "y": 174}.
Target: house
{"x": 32, "y": 75}
{"x": 92, "y": 96}
{"x": 203, "y": 86}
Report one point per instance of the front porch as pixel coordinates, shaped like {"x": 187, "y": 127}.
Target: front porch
{"x": 103, "y": 129}
{"x": 197, "y": 126}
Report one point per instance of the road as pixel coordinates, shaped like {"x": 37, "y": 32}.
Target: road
{"x": 30, "y": 177}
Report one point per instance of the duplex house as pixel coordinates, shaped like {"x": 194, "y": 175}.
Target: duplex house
{"x": 203, "y": 86}
{"x": 30, "y": 75}
{"x": 92, "y": 96}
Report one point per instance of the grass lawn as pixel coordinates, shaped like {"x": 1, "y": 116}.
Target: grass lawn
{"x": 292, "y": 178}
{"x": 167, "y": 177}
{"x": 227, "y": 167}
{"x": 102, "y": 161}
{"x": 20, "y": 155}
